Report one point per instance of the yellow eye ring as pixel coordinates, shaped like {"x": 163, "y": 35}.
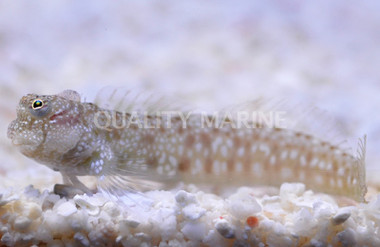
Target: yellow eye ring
{"x": 37, "y": 104}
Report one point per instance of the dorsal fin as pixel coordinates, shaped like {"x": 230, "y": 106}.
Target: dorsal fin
{"x": 70, "y": 95}
{"x": 300, "y": 117}
{"x": 126, "y": 100}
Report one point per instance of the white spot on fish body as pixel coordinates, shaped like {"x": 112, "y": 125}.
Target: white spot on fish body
{"x": 172, "y": 160}
{"x": 223, "y": 151}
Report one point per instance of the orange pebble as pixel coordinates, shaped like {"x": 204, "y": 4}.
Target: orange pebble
{"x": 252, "y": 221}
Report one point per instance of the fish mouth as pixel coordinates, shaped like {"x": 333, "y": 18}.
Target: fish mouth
{"x": 27, "y": 148}
{"x": 19, "y": 143}
{"x": 16, "y": 141}
{"x": 11, "y": 132}
{"x": 23, "y": 138}
{"x": 23, "y": 142}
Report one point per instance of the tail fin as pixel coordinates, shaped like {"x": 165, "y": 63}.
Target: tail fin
{"x": 361, "y": 183}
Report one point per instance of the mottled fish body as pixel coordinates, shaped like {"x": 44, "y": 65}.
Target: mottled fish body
{"x": 78, "y": 138}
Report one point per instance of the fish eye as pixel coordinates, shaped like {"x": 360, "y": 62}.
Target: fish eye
{"x": 37, "y": 104}
{"x": 40, "y": 108}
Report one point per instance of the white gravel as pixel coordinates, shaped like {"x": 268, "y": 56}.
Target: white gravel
{"x": 180, "y": 218}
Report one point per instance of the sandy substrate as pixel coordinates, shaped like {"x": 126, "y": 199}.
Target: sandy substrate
{"x": 290, "y": 216}
{"x": 211, "y": 54}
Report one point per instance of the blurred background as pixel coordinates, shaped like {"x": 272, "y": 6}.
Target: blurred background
{"x": 206, "y": 52}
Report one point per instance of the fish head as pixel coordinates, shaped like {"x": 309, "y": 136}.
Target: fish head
{"x": 47, "y": 126}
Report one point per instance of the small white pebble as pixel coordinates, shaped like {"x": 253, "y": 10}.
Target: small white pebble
{"x": 317, "y": 243}
{"x": 30, "y": 191}
{"x": 22, "y": 223}
{"x": 143, "y": 236}
{"x": 123, "y": 228}
{"x": 85, "y": 204}
{"x": 66, "y": 209}
{"x": 193, "y": 212}
{"x": 7, "y": 239}
{"x": 111, "y": 209}
{"x": 81, "y": 239}
{"x": 132, "y": 223}
{"x": 6, "y": 200}
{"x": 341, "y": 216}
{"x": 323, "y": 210}
{"x": 118, "y": 239}
{"x": 50, "y": 199}
{"x": 304, "y": 222}
{"x": 287, "y": 189}
{"x": 184, "y": 198}
{"x": 347, "y": 237}
{"x": 270, "y": 199}
{"x": 243, "y": 204}
{"x": 32, "y": 210}
{"x": 194, "y": 231}
{"x": 225, "y": 228}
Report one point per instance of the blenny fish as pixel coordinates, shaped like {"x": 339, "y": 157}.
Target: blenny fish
{"x": 77, "y": 139}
